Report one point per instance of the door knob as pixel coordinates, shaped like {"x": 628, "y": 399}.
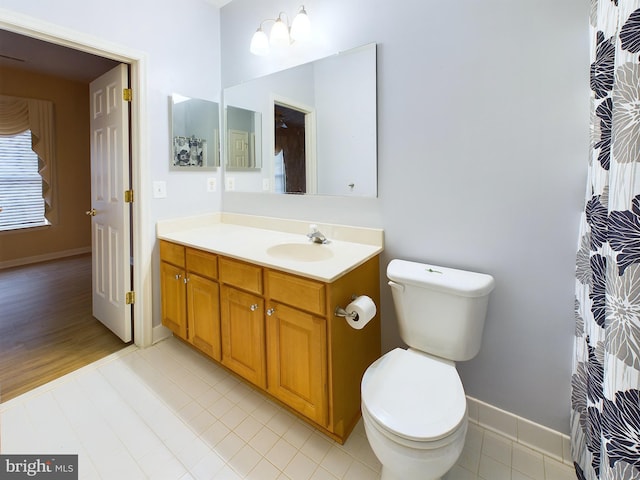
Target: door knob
{"x": 91, "y": 213}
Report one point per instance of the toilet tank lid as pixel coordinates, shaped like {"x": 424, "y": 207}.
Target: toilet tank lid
{"x": 450, "y": 280}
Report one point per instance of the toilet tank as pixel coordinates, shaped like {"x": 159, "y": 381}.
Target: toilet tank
{"x": 441, "y": 311}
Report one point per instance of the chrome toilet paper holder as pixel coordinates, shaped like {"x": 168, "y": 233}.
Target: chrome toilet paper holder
{"x": 341, "y": 312}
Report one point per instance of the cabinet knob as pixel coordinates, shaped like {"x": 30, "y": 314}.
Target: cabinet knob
{"x": 253, "y": 307}
{"x": 271, "y": 311}
{"x": 178, "y": 276}
{"x": 186, "y": 279}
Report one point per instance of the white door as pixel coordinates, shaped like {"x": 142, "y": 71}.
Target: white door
{"x": 239, "y": 148}
{"x": 110, "y": 214}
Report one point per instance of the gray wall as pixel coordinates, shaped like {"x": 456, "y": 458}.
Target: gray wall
{"x": 483, "y": 111}
{"x": 482, "y": 144}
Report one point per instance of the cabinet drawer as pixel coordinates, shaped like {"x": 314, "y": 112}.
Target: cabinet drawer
{"x": 242, "y": 275}
{"x": 202, "y": 263}
{"x": 172, "y": 253}
{"x": 297, "y": 292}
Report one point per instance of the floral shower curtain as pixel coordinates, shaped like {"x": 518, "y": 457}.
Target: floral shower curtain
{"x": 605, "y": 396}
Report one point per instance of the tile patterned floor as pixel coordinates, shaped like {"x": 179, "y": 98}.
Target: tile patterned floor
{"x": 166, "y": 412}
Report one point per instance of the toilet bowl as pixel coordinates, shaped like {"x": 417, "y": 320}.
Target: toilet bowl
{"x": 414, "y": 412}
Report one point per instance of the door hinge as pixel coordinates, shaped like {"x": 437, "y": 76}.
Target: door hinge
{"x": 130, "y": 298}
{"x": 127, "y": 94}
{"x": 128, "y": 196}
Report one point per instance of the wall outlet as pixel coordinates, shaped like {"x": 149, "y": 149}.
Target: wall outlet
{"x": 212, "y": 184}
{"x": 265, "y": 184}
{"x": 229, "y": 183}
{"x": 159, "y": 189}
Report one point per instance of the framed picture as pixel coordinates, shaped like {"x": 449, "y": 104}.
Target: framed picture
{"x": 189, "y": 151}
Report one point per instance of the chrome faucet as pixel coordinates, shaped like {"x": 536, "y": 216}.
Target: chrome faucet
{"x": 316, "y": 235}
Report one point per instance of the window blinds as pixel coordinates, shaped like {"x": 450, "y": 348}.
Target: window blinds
{"x": 20, "y": 184}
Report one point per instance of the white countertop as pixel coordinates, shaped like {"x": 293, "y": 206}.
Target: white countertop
{"x": 235, "y": 236}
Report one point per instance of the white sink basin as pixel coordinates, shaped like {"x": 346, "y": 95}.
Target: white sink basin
{"x": 300, "y": 252}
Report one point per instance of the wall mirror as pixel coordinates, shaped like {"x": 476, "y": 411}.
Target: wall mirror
{"x": 195, "y": 134}
{"x": 315, "y": 128}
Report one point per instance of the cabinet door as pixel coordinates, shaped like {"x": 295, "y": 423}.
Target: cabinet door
{"x": 242, "y": 328}
{"x": 203, "y": 301}
{"x": 297, "y": 360}
{"x": 174, "y": 307}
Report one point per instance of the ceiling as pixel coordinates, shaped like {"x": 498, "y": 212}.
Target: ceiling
{"x": 218, "y": 3}
{"x": 26, "y": 53}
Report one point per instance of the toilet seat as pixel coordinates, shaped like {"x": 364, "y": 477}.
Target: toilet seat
{"x": 414, "y": 396}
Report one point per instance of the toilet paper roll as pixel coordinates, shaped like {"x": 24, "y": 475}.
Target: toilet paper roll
{"x": 364, "y": 309}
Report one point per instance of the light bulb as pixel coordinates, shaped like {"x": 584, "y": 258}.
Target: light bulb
{"x": 279, "y": 34}
{"x": 259, "y": 43}
{"x": 301, "y": 27}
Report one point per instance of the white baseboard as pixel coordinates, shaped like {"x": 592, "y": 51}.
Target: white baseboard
{"x": 160, "y": 332}
{"x": 533, "y": 435}
{"x": 44, "y": 258}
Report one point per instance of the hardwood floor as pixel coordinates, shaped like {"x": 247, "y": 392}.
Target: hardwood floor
{"x": 46, "y": 326}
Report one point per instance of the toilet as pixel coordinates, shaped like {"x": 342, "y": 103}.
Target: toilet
{"x": 414, "y": 407}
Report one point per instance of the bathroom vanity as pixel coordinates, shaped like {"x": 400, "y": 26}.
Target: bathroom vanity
{"x": 261, "y": 302}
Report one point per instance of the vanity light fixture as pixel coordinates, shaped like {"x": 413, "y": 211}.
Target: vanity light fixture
{"x": 281, "y": 35}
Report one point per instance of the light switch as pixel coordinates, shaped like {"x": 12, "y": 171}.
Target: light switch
{"x": 159, "y": 189}
{"x": 212, "y": 184}
{"x": 229, "y": 183}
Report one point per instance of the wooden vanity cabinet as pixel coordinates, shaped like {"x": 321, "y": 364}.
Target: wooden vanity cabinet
{"x": 350, "y": 351}
{"x": 172, "y": 286}
{"x": 203, "y": 302}
{"x": 191, "y": 296}
{"x": 315, "y": 360}
{"x": 278, "y": 331}
{"x": 242, "y": 320}
{"x": 297, "y": 344}
{"x": 297, "y": 360}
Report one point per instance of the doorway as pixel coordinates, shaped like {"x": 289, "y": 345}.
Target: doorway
{"x": 141, "y": 243}
{"x": 48, "y": 327}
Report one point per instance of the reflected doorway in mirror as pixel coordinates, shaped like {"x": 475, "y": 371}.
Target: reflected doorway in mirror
{"x": 290, "y": 139}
